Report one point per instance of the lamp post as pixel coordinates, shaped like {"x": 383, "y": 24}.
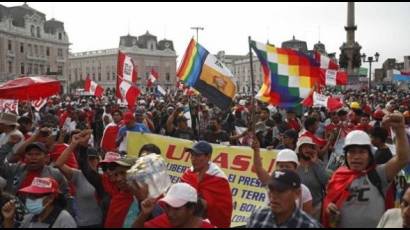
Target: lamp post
{"x": 370, "y": 60}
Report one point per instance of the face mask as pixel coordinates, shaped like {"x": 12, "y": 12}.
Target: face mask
{"x": 35, "y": 206}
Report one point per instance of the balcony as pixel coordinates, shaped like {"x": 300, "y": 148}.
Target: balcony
{"x": 10, "y": 53}
{"x": 35, "y": 58}
{"x": 61, "y": 60}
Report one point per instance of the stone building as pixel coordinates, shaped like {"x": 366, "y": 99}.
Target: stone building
{"x": 31, "y": 45}
{"x": 146, "y": 52}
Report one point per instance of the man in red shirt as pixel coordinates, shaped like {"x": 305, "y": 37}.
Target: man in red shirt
{"x": 364, "y": 124}
{"x": 211, "y": 184}
{"x": 181, "y": 206}
{"x": 311, "y": 125}
{"x": 111, "y": 132}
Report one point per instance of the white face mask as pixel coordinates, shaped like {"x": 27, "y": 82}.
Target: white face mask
{"x": 35, "y": 206}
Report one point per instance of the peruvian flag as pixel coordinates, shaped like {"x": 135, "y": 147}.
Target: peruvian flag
{"x": 93, "y": 87}
{"x": 332, "y": 77}
{"x": 153, "y": 77}
{"x": 126, "y": 79}
{"x": 316, "y": 99}
{"x": 325, "y": 62}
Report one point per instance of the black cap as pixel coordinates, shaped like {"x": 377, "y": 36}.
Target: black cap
{"x": 201, "y": 147}
{"x": 92, "y": 152}
{"x": 38, "y": 145}
{"x": 283, "y": 180}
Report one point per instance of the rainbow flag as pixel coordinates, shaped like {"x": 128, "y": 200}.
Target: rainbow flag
{"x": 288, "y": 75}
{"x": 205, "y": 73}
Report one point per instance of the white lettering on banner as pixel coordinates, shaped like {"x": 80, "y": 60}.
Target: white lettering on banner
{"x": 39, "y": 103}
{"x": 331, "y": 77}
{"x": 9, "y": 106}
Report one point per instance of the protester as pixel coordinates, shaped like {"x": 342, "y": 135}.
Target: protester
{"x": 398, "y": 217}
{"x": 45, "y": 205}
{"x": 356, "y": 193}
{"x": 284, "y": 190}
{"x": 286, "y": 159}
{"x": 312, "y": 172}
{"x": 182, "y": 208}
{"x": 211, "y": 184}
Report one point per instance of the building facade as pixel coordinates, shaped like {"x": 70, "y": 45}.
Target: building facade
{"x": 31, "y": 45}
{"x": 146, "y": 52}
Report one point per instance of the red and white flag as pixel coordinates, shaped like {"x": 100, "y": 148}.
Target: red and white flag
{"x": 93, "y": 87}
{"x": 38, "y": 104}
{"x": 153, "y": 77}
{"x": 332, "y": 77}
{"x": 126, "y": 79}
{"x": 325, "y": 62}
{"x": 316, "y": 99}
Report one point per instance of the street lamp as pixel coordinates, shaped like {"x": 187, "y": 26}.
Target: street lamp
{"x": 370, "y": 60}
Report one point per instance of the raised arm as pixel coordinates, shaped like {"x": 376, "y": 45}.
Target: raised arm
{"x": 401, "y": 159}
{"x": 262, "y": 174}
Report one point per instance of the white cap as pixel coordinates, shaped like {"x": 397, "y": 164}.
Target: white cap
{"x": 242, "y": 102}
{"x": 287, "y": 155}
{"x": 357, "y": 137}
{"x": 179, "y": 194}
{"x": 304, "y": 140}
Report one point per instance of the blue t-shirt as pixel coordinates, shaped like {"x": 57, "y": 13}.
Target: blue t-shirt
{"x": 139, "y": 127}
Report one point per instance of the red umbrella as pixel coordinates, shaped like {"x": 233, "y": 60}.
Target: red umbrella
{"x": 29, "y": 88}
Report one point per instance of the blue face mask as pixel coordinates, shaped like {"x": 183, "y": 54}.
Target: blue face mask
{"x": 35, "y": 206}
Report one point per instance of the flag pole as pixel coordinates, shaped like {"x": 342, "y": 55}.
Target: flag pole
{"x": 253, "y": 117}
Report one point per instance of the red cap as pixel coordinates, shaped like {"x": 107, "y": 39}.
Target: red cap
{"x": 127, "y": 117}
{"x": 111, "y": 157}
{"x": 378, "y": 114}
{"x": 41, "y": 185}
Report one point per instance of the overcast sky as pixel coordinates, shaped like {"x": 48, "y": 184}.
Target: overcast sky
{"x": 382, "y": 27}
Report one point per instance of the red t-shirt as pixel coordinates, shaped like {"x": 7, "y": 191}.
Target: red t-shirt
{"x": 118, "y": 210}
{"x": 109, "y": 187}
{"x": 294, "y": 124}
{"x": 163, "y": 222}
{"x": 30, "y": 177}
{"x": 58, "y": 150}
{"x": 365, "y": 128}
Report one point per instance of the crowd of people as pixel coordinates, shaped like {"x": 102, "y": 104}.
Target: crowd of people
{"x": 66, "y": 165}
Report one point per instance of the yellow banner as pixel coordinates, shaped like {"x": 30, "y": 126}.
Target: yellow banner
{"x": 235, "y": 161}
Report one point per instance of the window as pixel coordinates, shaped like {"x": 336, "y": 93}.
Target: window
{"x": 21, "y": 47}
{"x": 108, "y": 76}
{"x": 113, "y": 76}
{"x": 22, "y": 68}
{"x": 9, "y": 45}
{"x": 48, "y": 51}
{"x": 32, "y": 31}
{"x": 99, "y": 76}
{"x": 60, "y": 36}
{"x": 36, "y": 50}
{"x": 35, "y": 68}
{"x": 167, "y": 77}
{"x": 42, "y": 51}
{"x": 60, "y": 69}
{"x": 30, "y": 69}
{"x": 48, "y": 69}
{"x": 60, "y": 52}
{"x": 10, "y": 67}
{"x": 38, "y": 32}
